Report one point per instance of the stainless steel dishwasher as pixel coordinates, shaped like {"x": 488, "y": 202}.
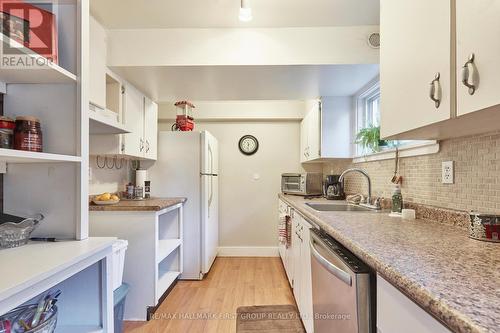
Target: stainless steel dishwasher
{"x": 343, "y": 288}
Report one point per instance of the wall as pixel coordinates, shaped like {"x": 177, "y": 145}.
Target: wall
{"x": 239, "y": 110}
{"x": 476, "y": 187}
{"x": 248, "y": 46}
{"x": 108, "y": 180}
{"x": 249, "y": 185}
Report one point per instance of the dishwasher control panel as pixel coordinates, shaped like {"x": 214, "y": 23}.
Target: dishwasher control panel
{"x": 354, "y": 263}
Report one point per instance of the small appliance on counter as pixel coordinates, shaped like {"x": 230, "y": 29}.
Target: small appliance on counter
{"x": 334, "y": 189}
{"x": 484, "y": 227}
{"x": 308, "y": 184}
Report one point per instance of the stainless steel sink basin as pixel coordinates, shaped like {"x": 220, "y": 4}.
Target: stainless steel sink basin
{"x": 338, "y": 207}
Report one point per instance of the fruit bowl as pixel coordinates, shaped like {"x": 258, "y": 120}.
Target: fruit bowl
{"x": 106, "y": 199}
{"x": 104, "y": 203}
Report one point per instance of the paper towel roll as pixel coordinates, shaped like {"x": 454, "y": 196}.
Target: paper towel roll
{"x": 140, "y": 177}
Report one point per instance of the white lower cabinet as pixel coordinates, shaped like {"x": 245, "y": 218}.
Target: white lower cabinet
{"x": 297, "y": 262}
{"x": 396, "y": 313}
{"x": 303, "y": 295}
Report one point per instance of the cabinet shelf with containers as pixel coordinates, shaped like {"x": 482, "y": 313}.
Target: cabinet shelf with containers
{"x": 54, "y": 182}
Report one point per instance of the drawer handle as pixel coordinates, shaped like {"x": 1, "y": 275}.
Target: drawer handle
{"x": 468, "y": 73}
{"x": 435, "y": 90}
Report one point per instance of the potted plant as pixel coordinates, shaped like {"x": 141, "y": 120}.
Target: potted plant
{"x": 369, "y": 139}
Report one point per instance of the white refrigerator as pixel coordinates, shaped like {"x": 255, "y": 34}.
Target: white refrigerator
{"x": 187, "y": 166}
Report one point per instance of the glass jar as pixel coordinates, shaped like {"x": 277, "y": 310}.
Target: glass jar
{"x": 28, "y": 134}
{"x": 7, "y": 126}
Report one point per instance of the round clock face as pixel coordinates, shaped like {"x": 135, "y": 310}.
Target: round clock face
{"x": 248, "y": 145}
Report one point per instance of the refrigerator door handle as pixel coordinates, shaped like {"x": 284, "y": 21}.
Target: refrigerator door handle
{"x": 210, "y": 198}
{"x": 211, "y": 157}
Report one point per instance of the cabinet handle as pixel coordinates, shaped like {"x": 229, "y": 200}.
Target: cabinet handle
{"x": 468, "y": 74}
{"x": 147, "y": 146}
{"x": 435, "y": 93}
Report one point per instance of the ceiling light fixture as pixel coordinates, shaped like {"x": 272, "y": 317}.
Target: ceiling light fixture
{"x": 245, "y": 11}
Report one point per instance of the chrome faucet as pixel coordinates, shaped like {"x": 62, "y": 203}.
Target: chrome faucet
{"x": 369, "y": 199}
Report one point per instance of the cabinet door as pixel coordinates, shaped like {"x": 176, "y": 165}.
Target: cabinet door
{"x": 303, "y": 139}
{"x": 478, "y": 28}
{"x": 396, "y": 313}
{"x": 314, "y": 132}
{"x": 306, "y": 307}
{"x": 415, "y": 39}
{"x": 150, "y": 129}
{"x": 134, "y": 120}
{"x": 296, "y": 247}
{"x": 97, "y": 68}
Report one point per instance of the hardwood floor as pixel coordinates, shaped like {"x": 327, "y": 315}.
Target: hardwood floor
{"x": 210, "y": 305}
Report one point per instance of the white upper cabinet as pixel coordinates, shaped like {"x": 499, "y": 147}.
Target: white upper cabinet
{"x": 415, "y": 49}
{"x": 134, "y": 119}
{"x": 457, "y": 39}
{"x": 311, "y": 133}
{"x": 150, "y": 129}
{"x": 314, "y": 132}
{"x": 326, "y": 130}
{"x": 478, "y": 31}
{"x": 97, "y": 61}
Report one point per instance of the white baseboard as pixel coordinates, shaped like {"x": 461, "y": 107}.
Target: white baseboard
{"x": 248, "y": 251}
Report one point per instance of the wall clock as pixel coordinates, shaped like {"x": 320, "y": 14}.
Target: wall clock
{"x": 248, "y": 144}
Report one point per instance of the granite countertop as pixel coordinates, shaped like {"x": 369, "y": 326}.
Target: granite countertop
{"x": 453, "y": 277}
{"x": 153, "y": 204}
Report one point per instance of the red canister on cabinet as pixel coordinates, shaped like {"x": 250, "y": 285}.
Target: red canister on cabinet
{"x": 28, "y": 134}
{"x": 7, "y": 126}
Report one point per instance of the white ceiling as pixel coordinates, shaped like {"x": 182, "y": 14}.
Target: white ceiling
{"x": 134, "y": 14}
{"x": 166, "y": 84}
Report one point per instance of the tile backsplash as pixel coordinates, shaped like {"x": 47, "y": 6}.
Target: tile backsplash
{"x": 477, "y": 171}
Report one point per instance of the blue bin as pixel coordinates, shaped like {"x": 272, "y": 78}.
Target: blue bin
{"x": 119, "y": 296}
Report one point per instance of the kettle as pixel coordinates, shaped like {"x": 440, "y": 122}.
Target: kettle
{"x": 334, "y": 189}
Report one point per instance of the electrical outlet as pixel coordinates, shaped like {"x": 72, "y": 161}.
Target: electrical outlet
{"x": 447, "y": 172}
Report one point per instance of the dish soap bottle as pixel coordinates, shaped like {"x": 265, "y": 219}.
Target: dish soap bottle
{"x": 397, "y": 200}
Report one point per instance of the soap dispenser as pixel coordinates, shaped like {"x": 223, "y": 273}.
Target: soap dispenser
{"x": 397, "y": 200}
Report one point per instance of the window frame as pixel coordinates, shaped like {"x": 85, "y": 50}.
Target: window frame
{"x": 368, "y": 93}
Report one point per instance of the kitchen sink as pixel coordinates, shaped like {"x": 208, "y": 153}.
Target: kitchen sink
{"x": 338, "y": 207}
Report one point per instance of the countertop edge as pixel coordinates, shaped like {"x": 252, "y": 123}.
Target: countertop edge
{"x": 454, "y": 320}
{"x": 103, "y": 243}
{"x": 141, "y": 206}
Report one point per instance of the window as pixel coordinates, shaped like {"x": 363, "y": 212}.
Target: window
{"x": 368, "y": 121}
{"x": 368, "y": 113}
{"x": 370, "y": 109}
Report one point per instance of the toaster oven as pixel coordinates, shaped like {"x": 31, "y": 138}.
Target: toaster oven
{"x": 306, "y": 184}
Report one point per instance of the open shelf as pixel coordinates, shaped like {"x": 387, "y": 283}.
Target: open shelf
{"x": 21, "y": 156}
{"x": 166, "y": 247}
{"x": 99, "y": 124}
{"x": 165, "y": 280}
{"x": 46, "y": 73}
